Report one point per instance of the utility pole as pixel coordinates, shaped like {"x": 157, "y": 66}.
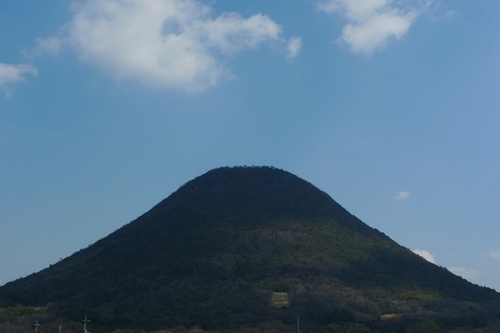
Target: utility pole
{"x": 36, "y": 326}
{"x": 298, "y": 327}
{"x": 85, "y": 321}
{"x": 60, "y": 328}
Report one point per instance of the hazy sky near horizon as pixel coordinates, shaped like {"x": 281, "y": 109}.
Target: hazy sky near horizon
{"x": 392, "y": 107}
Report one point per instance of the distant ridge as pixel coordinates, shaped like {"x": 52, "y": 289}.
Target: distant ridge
{"x": 223, "y": 250}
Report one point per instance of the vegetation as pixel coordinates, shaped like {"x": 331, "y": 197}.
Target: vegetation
{"x": 209, "y": 257}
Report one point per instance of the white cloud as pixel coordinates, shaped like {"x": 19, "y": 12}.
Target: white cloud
{"x": 495, "y": 254}
{"x": 50, "y": 46}
{"x": 426, "y": 255}
{"x": 166, "y": 43}
{"x": 294, "y": 46}
{"x": 403, "y": 195}
{"x": 467, "y": 274}
{"x": 372, "y": 23}
{"x": 14, "y": 73}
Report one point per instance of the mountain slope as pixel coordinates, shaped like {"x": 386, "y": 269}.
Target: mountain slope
{"x": 214, "y": 252}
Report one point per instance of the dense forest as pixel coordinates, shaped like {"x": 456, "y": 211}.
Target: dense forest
{"x": 215, "y": 253}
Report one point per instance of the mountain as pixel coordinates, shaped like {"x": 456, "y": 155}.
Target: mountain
{"x": 250, "y": 248}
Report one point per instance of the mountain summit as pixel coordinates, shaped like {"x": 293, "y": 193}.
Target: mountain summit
{"x": 249, "y": 247}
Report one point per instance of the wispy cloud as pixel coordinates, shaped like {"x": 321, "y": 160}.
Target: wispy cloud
{"x": 167, "y": 43}
{"x": 14, "y": 73}
{"x": 403, "y": 195}
{"x": 426, "y": 255}
{"x": 372, "y": 23}
{"x": 467, "y": 274}
{"x": 50, "y": 46}
{"x": 495, "y": 254}
{"x": 294, "y": 46}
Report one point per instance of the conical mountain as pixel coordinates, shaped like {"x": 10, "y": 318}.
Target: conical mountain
{"x": 246, "y": 247}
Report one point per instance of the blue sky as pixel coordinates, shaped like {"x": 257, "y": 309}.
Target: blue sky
{"x": 391, "y": 107}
